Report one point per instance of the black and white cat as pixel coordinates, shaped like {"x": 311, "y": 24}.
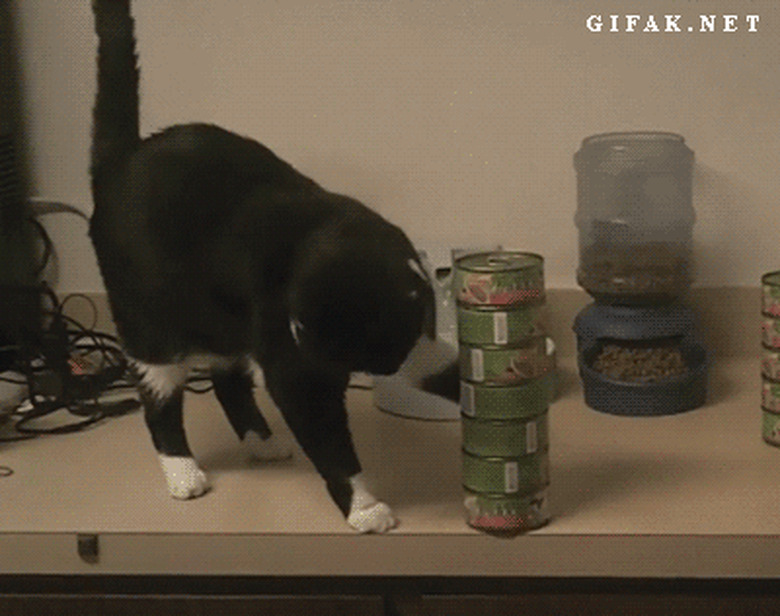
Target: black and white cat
{"x": 211, "y": 246}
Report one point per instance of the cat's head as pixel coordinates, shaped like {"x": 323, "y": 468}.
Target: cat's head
{"x": 361, "y": 301}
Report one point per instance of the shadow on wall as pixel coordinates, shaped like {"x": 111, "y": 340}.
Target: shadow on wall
{"x": 721, "y": 203}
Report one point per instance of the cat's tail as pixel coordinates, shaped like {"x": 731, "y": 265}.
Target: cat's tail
{"x": 115, "y": 131}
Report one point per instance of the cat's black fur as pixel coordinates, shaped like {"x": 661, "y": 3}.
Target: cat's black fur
{"x": 209, "y": 243}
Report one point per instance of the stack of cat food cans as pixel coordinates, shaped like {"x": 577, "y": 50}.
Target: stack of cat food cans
{"x": 770, "y": 358}
{"x": 506, "y": 370}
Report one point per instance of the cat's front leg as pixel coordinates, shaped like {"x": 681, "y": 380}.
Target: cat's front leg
{"x": 366, "y": 513}
{"x": 312, "y": 403}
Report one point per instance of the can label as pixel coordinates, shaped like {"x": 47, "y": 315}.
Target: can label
{"x": 477, "y": 365}
{"x": 505, "y": 475}
{"x": 770, "y": 363}
{"x": 468, "y": 399}
{"x": 511, "y": 364}
{"x": 770, "y": 396}
{"x": 513, "y": 514}
{"x": 500, "y": 328}
{"x": 771, "y": 301}
{"x": 531, "y": 437}
{"x": 770, "y": 331}
{"x": 504, "y": 437}
{"x": 530, "y": 399}
{"x": 486, "y": 326}
{"x": 770, "y": 428}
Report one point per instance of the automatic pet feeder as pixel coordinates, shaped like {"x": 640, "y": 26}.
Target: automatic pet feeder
{"x": 638, "y": 352}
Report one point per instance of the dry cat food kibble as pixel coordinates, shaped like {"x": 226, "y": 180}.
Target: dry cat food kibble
{"x": 624, "y": 270}
{"x": 640, "y": 364}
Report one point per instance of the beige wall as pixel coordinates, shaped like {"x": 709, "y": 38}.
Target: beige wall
{"x": 455, "y": 119}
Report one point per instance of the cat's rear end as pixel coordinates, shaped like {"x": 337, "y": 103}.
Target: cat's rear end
{"x": 169, "y": 224}
{"x": 211, "y": 246}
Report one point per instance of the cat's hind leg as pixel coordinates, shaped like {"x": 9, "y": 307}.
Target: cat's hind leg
{"x": 233, "y": 388}
{"x": 161, "y": 387}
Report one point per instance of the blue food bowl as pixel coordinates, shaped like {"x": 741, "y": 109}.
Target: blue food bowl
{"x": 598, "y": 325}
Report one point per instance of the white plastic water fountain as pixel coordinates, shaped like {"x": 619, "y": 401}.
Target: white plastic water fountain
{"x": 402, "y": 393}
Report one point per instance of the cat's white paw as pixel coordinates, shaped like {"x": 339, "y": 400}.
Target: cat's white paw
{"x": 376, "y": 518}
{"x": 184, "y": 478}
{"x": 366, "y": 513}
{"x": 266, "y": 450}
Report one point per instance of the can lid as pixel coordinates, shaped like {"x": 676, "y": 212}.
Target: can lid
{"x": 516, "y": 496}
{"x": 505, "y": 423}
{"x": 501, "y": 261}
{"x": 537, "y": 339}
{"x": 633, "y": 136}
{"x": 771, "y": 279}
{"x": 542, "y": 456}
{"x": 517, "y": 309}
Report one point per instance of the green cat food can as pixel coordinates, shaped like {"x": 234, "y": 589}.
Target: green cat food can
{"x": 511, "y": 514}
{"x": 770, "y": 331}
{"x": 491, "y": 326}
{"x": 505, "y": 475}
{"x": 501, "y": 278}
{"x": 770, "y": 427}
{"x": 770, "y": 293}
{"x": 529, "y": 399}
{"x": 770, "y": 395}
{"x": 507, "y": 365}
{"x": 770, "y": 363}
{"x": 511, "y": 437}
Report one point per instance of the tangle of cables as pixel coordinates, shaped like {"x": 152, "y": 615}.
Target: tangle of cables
{"x": 65, "y": 366}
{"x": 67, "y": 369}
{"x": 70, "y": 367}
